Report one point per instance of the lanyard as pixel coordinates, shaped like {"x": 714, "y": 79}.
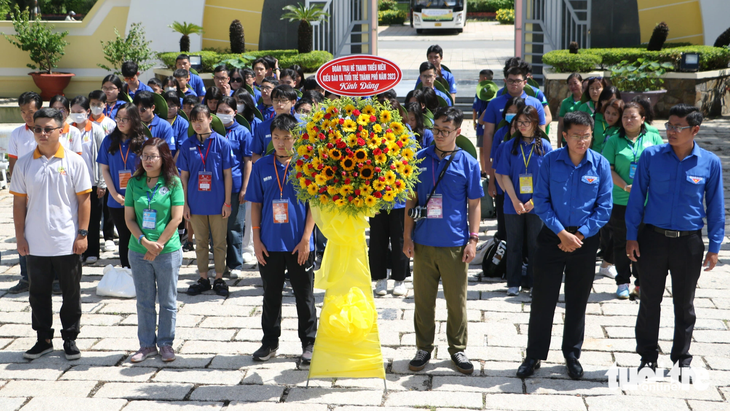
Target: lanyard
{"x": 206, "y": 154}
{"x": 125, "y": 157}
{"x": 633, "y": 147}
{"x": 527, "y": 160}
{"x": 276, "y": 169}
{"x": 149, "y": 198}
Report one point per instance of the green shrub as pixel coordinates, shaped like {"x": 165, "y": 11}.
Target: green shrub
{"x": 644, "y": 75}
{"x": 310, "y": 62}
{"x": 565, "y": 62}
{"x": 384, "y": 5}
{"x": 389, "y": 17}
{"x": 489, "y": 6}
{"x": 506, "y": 16}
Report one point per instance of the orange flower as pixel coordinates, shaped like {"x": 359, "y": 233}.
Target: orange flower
{"x": 367, "y": 172}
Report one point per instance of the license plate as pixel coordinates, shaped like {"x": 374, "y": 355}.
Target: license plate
{"x": 437, "y": 24}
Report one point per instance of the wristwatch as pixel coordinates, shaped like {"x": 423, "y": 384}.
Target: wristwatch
{"x": 83, "y": 233}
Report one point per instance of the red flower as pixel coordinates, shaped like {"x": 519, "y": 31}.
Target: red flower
{"x": 372, "y": 119}
{"x": 322, "y": 190}
{"x": 357, "y": 192}
{"x": 300, "y": 162}
{"x": 300, "y": 175}
{"x": 392, "y": 166}
{"x": 324, "y": 156}
{"x": 316, "y": 129}
{"x": 400, "y": 143}
{"x": 335, "y": 197}
{"x": 306, "y": 157}
{"x": 356, "y": 112}
{"x": 378, "y": 169}
{"x": 378, "y": 194}
{"x": 385, "y": 150}
{"x": 360, "y": 142}
{"x": 342, "y": 121}
{"x": 376, "y": 152}
{"x": 350, "y": 198}
{"x": 347, "y": 181}
{"x": 360, "y": 165}
{"x": 359, "y": 128}
{"x": 330, "y": 145}
{"x": 327, "y": 116}
{"x": 397, "y": 183}
{"x": 307, "y": 182}
{"x": 354, "y": 175}
{"x": 368, "y": 162}
{"x": 387, "y": 188}
{"x": 319, "y": 167}
{"x": 344, "y": 173}
{"x": 321, "y": 137}
{"x": 305, "y": 136}
{"x": 405, "y": 162}
{"x": 381, "y": 178}
{"x": 341, "y": 144}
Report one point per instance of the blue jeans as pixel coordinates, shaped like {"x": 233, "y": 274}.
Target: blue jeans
{"x": 234, "y": 254}
{"x": 156, "y": 279}
{"x": 521, "y": 227}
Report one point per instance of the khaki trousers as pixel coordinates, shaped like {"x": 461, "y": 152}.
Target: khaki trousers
{"x": 218, "y": 228}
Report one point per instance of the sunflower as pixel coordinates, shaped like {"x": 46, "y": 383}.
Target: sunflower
{"x": 331, "y": 110}
{"x": 347, "y": 164}
{"x": 302, "y": 150}
{"x": 312, "y": 189}
{"x": 332, "y": 190}
{"x": 363, "y": 119}
{"x": 346, "y": 190}
{"x": 389, "y": 196}
{"x": 349, "y": 109}
{"x": 404, "y": 138}
{"x": 323, "y": 199}
{"x": 378, "y": 185}
{"x": 373, "y": 143}
{"x": 370, "y": 201}
{"x": 315, "y": 163}
{"x": 381, "y": 158}
{"x": 367, "y": 172}
{"x": 320, "y": 179}
{"x": 325, "y": 124}
{"x": 393, "y": 147}
{"x": 340, "y": 202}
{"x": 368, "y": 110}
{"x": 366, "y": 190}
{"x": 352, "y": 140}
{"x": 357, "y": 202}
{"x": 335, "y": 154}
{"x": 397, "y": 128}
{"x": 407, "y": 171}
{"x": 390, "y": 137}
{"x": 328, "y": 172}
{"x": 317, "y": 116}
{"x": 349, "y": 126}
{"x": 385, "y": 116}
{"x": 361, "y": 155}
{"x": 377, "y": 128}
{"x": 408, "y": 154}
{"x": 399, "y": 167}
{"x": 389, "y": 178}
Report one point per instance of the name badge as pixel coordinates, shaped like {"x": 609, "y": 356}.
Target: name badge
{"x": 632, "y": 170}
{"x": 435, "y": 207}
{"x": 281, "y": 211}
{"x": 149, "y": 219}
{"x": 525, "y": 183}
{"x": 124, "y": 176}
{"x": 205, "y": 180}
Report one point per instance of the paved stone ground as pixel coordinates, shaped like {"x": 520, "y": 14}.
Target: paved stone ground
{"x": 216, "y": 336}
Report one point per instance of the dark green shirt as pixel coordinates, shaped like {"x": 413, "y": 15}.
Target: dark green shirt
{"x": 164, "y": 198}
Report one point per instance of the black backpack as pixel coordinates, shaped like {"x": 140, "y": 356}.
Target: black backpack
{"x": 495, "y": 260}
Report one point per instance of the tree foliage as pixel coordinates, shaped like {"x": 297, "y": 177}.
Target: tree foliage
{"x": 45, "y": 47}
{"x": 134, "y": 47}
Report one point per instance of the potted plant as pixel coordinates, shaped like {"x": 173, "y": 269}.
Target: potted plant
{"x": 46, "y": 49}
{"x": 305, "y": 15}
{"x": 640, "y": 78}
{"x": 186, "y": 29}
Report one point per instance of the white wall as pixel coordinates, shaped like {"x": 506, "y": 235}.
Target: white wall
{"x": 714, "y": 18}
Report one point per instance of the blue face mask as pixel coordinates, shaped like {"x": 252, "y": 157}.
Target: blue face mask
{"x": 509, "y": 117}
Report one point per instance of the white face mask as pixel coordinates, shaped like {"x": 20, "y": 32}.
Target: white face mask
{"x": 225, "y": 118}
{"x": 170, "y": 89}
{"x": 240, "y": 108}
{"x": 78, "y": 117}
{"x": 96, "y": 110}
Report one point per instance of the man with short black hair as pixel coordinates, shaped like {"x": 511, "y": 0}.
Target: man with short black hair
{"x": 52, "y": 185}
{"x": 183, "y": 62}
{"x": 429, "y": 77}
{"x": 434, "y": 55}
{"x": 222, "y": 80}
{"x": 283, "y": 99}
{"x": 261, "y": 70}
{"x": 443, "y": 242}
{"x": 667, "y": 194}
{"x": 159, "y": 128}
{"x": 130, "y": 72}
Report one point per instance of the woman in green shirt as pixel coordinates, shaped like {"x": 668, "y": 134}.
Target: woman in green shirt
{"x": 570, "y": 103}
{"x": 600, "y": 123}
{"x": 153, "y": 208}
{"x": 612, "y": 113}
{"x": 591, "y": 95}
{"x": 623, "y": 151}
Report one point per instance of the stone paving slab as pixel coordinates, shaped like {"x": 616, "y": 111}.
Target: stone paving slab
{"x": 75, "y": 404}
{"x": 174, "y": 406}
{"x": 144, "y": 391}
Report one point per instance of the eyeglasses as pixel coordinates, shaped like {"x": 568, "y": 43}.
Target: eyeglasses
{"x": 589, "y": 79}
{"x": 143, "y": 109}
{"x": 442, "y": 131}
{"x": 122, "y": 119}
{"x": 524, "y": 123}
{"x": 109, "y": 88}
{"x": 279, "y": 101}
{"x": 47, "y": 130}
{"x": 267, "y": 89}
{"x": 236, "y": 79}
{"x": 150, "y": 158}
{"x": 513, "y": 81}
{"x": 220, "y": 78}
{"x": 584, "y": 137}
{"x": 676, "y": 129}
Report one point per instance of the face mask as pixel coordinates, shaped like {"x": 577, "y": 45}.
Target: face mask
{"x": 509, "y": 117}
{"x": 96, "y": 110}
{"x": 78, "y": 117}
{"x": 170, "y": 89}
{"x": 225, "y": 118}
{"x": 240, "y": 108}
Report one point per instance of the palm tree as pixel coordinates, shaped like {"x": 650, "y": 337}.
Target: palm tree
{"x": 305, "y": 15}
{"x": 186, "y": 29}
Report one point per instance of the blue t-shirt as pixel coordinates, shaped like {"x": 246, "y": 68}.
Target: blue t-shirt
{"x": 496, "y": 153}
{"x": 479, "y": 106}
{"x": 263, "y": 188}
{"x": 427, "y": 138}
{"x": 123, "y": 159}
{"x": 538, "y": 94}
{"x": 513, "y": 165}
{"x": 217, "y": 154}
{"x": 196, "y": 83}
{"x": 254, "y": 124}
{"x": 180, "y": 128}
{"x": 493, "y": 113}
{"x": 268, "y": 112}
{"x": 111, "y": 111}
{"x": 142, "y": 87}
{"x": 160, "y": 128}
{"x": 239, "y": 139}
{"x": 462, "y": 181}
{"x": 261, "y": 137}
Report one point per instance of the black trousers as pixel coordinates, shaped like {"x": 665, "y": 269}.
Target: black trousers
{"x": 124, "y": 234}
{"x": 94, "y": 224}
{"x": 607, "y": 245}
{"x": 499, "y": 208}
{"x": 41, "y": 271}
{"x": 624, "y": 266}
{"x": 550, "y": 263}
{"x": 682, "y": 257}
{"x": 301, "y": 278}
{"x": 108, "y": 224}
{"x": 387, "y": 228}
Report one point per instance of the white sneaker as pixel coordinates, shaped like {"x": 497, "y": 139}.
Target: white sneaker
{"x": 249, "y": 259}
{"x": 381, "y": 287}
{"x": 91, "y": 260}
{"x": 399, "y": 288}
{"x": 236, "y": 273}
{"x": 513, "y": 291}
{"x": 609, "y": 271}
{"x": 109, "y": 245}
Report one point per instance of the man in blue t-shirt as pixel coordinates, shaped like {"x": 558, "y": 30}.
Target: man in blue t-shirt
{"x": 130, "y": 71}
{"x": 428, "y": 78}
{"x": 443, "y": 241}
{"x": 183, "y": 62}
{"x": 282, "y": 237}
{"x": 434, "y": 55}
{"x": 158, "y": 127}
{"x": 283, "y": 98}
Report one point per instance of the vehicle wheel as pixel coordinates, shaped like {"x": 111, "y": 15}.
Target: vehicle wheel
{"x": 419, "y": 31}
{"x": 460, "y": 31}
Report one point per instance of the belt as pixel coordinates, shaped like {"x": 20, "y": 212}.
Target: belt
{"x": 572, "y": 229}
{"x": 674, "y": 233}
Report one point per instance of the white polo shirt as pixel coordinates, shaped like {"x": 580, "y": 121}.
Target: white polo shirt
{"x": 106, "y": 123}
{"x": 91, "y": 138}
{"x": 51, "y": 186}
{"x": 22, "y": 140}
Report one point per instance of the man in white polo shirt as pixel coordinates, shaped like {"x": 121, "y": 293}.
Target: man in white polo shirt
{"x": 52, "y": 185}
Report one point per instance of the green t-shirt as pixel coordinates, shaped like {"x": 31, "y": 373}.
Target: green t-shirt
{"x": 651, "y": 129}
{"x": 588, "y": 107}
{"x": 138, "y": 195}
{"x": 568, "y": 105}
{"x": 621, "y": 152}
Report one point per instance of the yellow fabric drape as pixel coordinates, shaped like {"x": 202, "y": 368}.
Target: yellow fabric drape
{"x": 347, "y": 343}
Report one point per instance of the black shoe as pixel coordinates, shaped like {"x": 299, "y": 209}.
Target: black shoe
{"x": 463, "y": 365}
{"x": 575, "y": 370}
{"x": 202, "y": 285}
{"x": 650, "y": 364}
{"x": 307, "y": 354}
{"x": 528, "y": 367}
{"x": 686, "y": 375}
{"x": 21, "y": 287}
{"x": 265, "y": 353}
{"x": 72, "y": 353}
{"x": 220, "y": 287}
{"x": 56, "y": 290}
{"x": 40, "y": 349}
{"x": 420, "y": 360}
{"x": 188, "y": 246}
